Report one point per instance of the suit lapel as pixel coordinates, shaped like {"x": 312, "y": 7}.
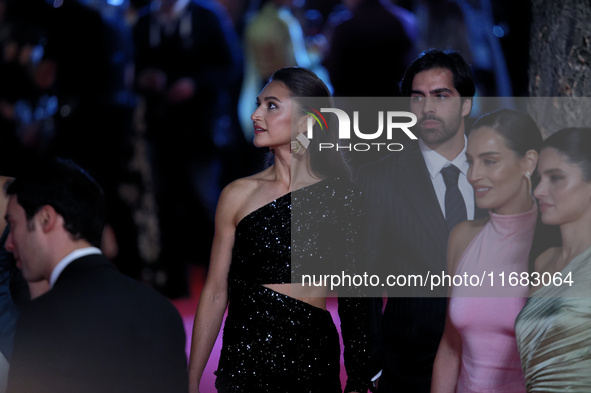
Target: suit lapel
{"x": 416, "y": 184}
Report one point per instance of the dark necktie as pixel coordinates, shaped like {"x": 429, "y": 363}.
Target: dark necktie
{"x": 455, "y": 207}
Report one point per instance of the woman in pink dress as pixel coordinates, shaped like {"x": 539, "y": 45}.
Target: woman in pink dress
{"x": 478, "y": 351}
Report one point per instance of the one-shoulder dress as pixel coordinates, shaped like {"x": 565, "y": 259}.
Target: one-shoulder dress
{"x": 554, "y": 331}
{"x": 484, "y": 315}
{"x": 276, "y": 343}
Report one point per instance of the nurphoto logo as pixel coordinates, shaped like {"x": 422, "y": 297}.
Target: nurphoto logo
{"x": 317, "y": 116}
{"x": 390, "y": 118}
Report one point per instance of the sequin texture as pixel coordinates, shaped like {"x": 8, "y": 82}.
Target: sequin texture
{"x": 275, "y": 343}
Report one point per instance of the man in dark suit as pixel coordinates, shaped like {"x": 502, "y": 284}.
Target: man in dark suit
{"x": 95, "y": 330}
{"x": 408, "y": 222}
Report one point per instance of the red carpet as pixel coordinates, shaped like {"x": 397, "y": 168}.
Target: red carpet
{"x": 187, "y": 307}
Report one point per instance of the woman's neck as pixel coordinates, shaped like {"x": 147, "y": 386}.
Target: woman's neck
{"x": 522, "y": 204}
{"x": 576, "y": 238}
{"x": 293, "y": 170}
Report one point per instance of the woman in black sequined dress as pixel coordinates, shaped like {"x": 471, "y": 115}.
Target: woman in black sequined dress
{"x": 300, "y": 215}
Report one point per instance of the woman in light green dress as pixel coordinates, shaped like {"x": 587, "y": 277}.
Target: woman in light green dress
{"x": 553, "y": 330}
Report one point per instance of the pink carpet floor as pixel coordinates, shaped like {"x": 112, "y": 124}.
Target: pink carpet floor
{"x": 187, "y": 307}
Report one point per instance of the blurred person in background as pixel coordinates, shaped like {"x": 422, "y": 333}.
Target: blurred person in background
{"x": 188, "y": 70}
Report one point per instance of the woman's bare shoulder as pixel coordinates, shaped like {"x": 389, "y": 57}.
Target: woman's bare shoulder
{"x": 235, "y": 195}
{"x": 244, "y": 195}
{"x": 460, "y": 238}
{"x": 243, "y": 187}
{"x": 464, "y": 232}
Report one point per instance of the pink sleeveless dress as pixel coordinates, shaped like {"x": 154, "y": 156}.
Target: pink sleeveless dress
{"x": 485, "y": 316}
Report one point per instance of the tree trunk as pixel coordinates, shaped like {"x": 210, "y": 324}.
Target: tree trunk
{"x": 560, "y": 60}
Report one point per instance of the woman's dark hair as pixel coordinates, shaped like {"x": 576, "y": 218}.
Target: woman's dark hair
{"x": 310, "y": 91}
{"x": 520, "y": 131}
{"x": 463, "y": 79}
{"x": 575, "y": 144}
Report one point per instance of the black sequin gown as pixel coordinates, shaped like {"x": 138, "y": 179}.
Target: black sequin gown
{"x": 275, "y": 343}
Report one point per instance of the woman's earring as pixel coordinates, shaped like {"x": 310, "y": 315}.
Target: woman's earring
{"x": 528, "y": 179}
{"x": 300, "y": 144}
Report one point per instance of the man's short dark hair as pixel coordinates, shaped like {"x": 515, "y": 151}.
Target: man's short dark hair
{"x": 70, "y": 190}
{"x": 437, "y": 58}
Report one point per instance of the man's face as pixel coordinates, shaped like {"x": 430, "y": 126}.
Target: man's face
{"x": 24, "y": 242}
{"x": 438, "y": 106}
